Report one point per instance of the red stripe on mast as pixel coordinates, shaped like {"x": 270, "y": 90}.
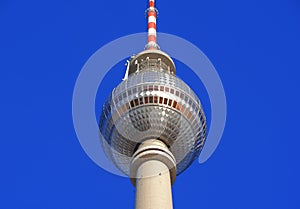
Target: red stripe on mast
{"x": 151, "y": 25}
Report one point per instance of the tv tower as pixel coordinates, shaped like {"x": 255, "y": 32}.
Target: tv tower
{"x": 152, "y": 124}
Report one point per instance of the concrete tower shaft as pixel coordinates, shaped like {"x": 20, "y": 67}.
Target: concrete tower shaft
{"x": 154, "y": 168}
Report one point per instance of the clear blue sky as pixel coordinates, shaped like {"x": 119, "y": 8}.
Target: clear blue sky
{"x": 255, "y": 47}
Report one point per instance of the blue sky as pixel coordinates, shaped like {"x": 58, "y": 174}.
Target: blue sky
{"x": 254, "y": 45}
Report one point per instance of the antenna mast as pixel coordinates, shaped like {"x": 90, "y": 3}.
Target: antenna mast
{"x": 152, "y": 15}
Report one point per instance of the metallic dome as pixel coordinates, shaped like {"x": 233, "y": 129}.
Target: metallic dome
{"x": 152, "y": 104}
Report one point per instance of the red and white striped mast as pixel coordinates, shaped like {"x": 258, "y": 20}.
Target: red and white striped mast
{"x": 152, "y": 15}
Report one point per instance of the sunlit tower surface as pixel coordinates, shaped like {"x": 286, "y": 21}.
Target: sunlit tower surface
{"x": 152, "y": 125}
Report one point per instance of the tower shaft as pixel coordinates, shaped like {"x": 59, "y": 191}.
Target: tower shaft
{"x": 153, "y": 171}
{"x": 153, "y": 191}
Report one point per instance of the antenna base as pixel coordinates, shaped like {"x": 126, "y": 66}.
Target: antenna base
{"x": 151, "y": 60}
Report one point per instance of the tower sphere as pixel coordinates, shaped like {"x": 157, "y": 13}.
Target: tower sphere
{"x": 152, "y": 103}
